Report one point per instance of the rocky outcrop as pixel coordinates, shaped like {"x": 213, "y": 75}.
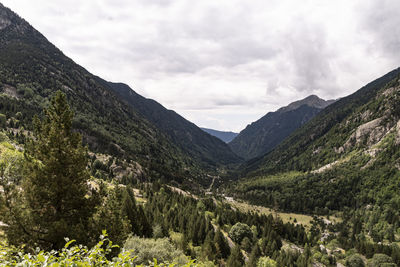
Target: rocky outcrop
{"x": 9, "y": 90}
{"x": 371, "y": 132}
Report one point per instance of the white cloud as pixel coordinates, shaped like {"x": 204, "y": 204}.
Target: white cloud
{"x": 223, "y": 64}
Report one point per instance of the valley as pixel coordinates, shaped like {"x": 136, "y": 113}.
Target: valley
{"x": 94, "y": 174}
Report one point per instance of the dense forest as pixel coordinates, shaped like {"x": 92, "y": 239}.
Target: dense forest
{"x": 93, "y": 174}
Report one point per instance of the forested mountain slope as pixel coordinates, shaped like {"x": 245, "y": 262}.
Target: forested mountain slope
{"x": 346, "y": 159}
{"x": 319, "y": 141}
{"x": 264, "y": 134}
{"x": 32, "y": 69}
{"x": 207, "y": 149}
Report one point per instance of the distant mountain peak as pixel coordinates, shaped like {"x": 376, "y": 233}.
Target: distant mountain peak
{"x": 225, "y": 136}
{"x": 311, "y": 101}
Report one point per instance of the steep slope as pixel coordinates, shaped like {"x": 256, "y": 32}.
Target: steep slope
{"x": 263, "y": 135}
{"x": 313, "y": 144}
{"x": 346, "y": 158}
{"x": 223, "y": 135}
{"x": 32, "y": 69}
{"x": 207, "y": 149}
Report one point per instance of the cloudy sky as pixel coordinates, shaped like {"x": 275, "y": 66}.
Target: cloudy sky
{"x": 224, "y": 63}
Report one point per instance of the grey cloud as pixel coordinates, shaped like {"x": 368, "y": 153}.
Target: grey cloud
{"x": 244, "y": 58}
{"x": 309, "y": 54}
{"x": 382, "y": 20}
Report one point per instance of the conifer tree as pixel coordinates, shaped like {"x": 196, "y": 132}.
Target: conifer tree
{"x": 254, "y": 255}
{"x": 111, "y": 217}
{"x": 130, "y": 210}
{"x": 56, "y": 188}
{"x": 222, "y": 249}
{"x": 236, "y": 258}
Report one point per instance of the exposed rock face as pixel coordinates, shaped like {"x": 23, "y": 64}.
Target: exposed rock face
{"x": 365, "y": 115}
{"x": 372, "y": 131}
{"x": 390, "y": 91}
{"x": 10, "y": 91}
{"x": 367, "y": 128}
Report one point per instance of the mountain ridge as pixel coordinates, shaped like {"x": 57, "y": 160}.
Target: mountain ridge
{"x": 182, "y": 132}
{"x": 225, "y": 136}
{"x": 32, "y": 69}
{"x": 294, "y": 145}
{"x": 263, "y": 135}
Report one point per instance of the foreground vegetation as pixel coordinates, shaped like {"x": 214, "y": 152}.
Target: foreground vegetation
{"x": 77, "y": 255}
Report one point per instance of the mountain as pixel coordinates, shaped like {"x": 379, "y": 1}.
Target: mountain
{"x": 323, "y": 132}
{"x": 345, "y": 158}
{"x": 32, "y": 69}
{"x": 263, "y": 135}
{"x": 223, "y": 135}
{"x": 207, "y": 149}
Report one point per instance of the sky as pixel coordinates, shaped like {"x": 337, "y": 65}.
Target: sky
{"x": 223, "y": 64}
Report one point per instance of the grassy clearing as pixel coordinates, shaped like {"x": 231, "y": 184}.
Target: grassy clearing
{"x": 305, "y": 220}
{"x": 269, "y": 180}
{"x": 302, "y": 219}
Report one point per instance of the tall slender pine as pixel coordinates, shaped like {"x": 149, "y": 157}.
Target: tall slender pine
{"x": 56, "y": 188}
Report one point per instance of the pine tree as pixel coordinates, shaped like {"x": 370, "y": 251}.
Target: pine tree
{"x": 56, "y": 188}
{"x": 111, "y": 216}
{"x": 209, "y": 247}
{"x": 254, "y": 255}
{"x": 130, "y": 210}
{"x": 236, "y": 258}
{"x": 222, "y": 249}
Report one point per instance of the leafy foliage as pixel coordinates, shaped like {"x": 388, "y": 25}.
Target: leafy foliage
{"x": 145, "y": 250}
{"x": 76, "y": 255}
{"x": 240, "y": 231}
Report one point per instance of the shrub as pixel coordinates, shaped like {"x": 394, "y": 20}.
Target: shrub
{"x": 147, "y": 249}
{"x": 266, "y": 262}
{"x": 239, "y": 231}
{"x": 355, "y": 261}
{"x": 76, "y": 255}
{"x": 380, "y": 260}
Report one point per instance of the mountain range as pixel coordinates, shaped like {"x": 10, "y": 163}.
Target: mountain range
{"x": 337, "y": 161}
{"x": 223, "y": 135}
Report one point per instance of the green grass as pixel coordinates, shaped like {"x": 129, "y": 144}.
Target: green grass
{"x": 305, "y": 220}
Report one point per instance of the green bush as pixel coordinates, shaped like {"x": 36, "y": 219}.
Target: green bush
{"x": 355, "y": 261}
{"x": 379, "y": 260}
{"x": 266, "y": 262}
{"x": 74, "y": 255}
{"x": 148, "y": 249}
{"x": 239, "y": 231}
